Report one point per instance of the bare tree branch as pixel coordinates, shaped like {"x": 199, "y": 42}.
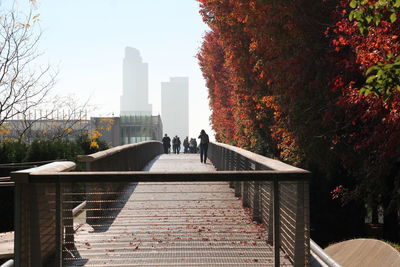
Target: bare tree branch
{"x": 52, "y": 120}
{"x": 23, "y": 86}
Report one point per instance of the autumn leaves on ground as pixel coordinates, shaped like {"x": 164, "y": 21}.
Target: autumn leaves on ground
{"x": 314, "y": 83}
{"x": 172, "y": 223}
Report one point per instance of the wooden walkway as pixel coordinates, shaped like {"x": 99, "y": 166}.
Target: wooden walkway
{"x": 174, "y": 224}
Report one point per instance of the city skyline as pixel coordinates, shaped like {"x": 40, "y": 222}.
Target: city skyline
{"x": 135, "y": 89}
{"x": 175, "y": 107}
{"x": 86, "y": 49}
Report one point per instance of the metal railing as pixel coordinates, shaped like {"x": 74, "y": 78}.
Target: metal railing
{"x": 7, "y": 190}
{"x": 281, "y": 204}
{"x": 42, "y": 224}
{"x": 9, "y": 263}
{"x": 38, "y": 218}
{"x": 320, "y": 257}
{"x": 277, "y": 194}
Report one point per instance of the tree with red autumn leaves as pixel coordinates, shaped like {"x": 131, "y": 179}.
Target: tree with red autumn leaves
{"x": 303, "y": 81}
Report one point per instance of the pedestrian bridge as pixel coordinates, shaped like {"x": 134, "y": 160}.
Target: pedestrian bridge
{"x": 134, "y": 206}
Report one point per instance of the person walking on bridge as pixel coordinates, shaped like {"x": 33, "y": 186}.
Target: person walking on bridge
{"x": 174, "y": 144}
{"x": 186, "y": 145}
{"x": 204, "y": 140}
{"x": 178, "y": 145}
{"x": 166, "y": 143}
{"x": 193, "y": 145}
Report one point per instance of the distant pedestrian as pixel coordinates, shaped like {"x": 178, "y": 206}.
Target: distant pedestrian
{"x": 166, "y": 143}
{"x": 186, "y": 145}
{"x": 174, "y": 144}
{"x": 193, "y": 145}
{"x": 204, "y": 140}
{"x": 178, "y": 145}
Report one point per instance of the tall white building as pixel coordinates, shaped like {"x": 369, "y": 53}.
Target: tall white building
{"x": 135, "y": 99}
{"x": 175, "y": 107}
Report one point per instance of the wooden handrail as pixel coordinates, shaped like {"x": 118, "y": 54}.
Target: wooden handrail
{"x": 29, "y": 163}
{"x": 55, "y": 167}
{"x": 142, "y": 176}
{"x": 272, "y": 164}
{"x": 111, "y": 151}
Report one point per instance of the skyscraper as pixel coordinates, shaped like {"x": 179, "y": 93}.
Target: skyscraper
{"x": 134, "y": 99}
{"x": 175, "y": 106}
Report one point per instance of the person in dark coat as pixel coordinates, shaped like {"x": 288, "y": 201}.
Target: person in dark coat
{"x": 204, "y": 140}
{"x": 193, "y": 145}
{"x": 186, "y": 145}
{"x": 174, "y": 144}
{"x": 178, "y": 144}
{"x": 166, "y": 143}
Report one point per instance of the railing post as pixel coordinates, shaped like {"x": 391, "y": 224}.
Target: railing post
{"x": 301, "y": 247}
{"x": 256, "y": 202}
{"x": 59, "y": 225}
{"x": 34, "y": 228}
{"x": 17, "y": 224}
{"x": 68, "y": 217}
{"x": 22, "y": 225}
{"x": 228, "y": 163}
{"x": 270, "y": 189}
{"x": 277, "y": 245}
{"x": 238, "y": 189}
{"x": 225, "y": 160}
{"x": 307, "y": 221}
{"x": 232, "y": 161}
{"x": 245, "y": 193}
{"x": 91, "y": 206}
{"x": 219, "y": 156}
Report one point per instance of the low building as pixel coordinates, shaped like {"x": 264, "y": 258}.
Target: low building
{"x": 113, "y": 130}
{"x": 135, "y": 129}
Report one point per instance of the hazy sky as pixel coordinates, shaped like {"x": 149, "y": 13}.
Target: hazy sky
{"x": 85, "y": 39}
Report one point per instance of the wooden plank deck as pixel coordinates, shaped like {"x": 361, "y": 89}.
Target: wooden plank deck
{"x": 175, "y": 224}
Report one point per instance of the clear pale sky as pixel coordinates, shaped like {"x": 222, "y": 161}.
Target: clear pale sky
{"x": 85, "y": 41}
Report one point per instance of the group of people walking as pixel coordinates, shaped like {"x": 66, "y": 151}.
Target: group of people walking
{"x": 188, "y": 146}
{"x": 176, "y": 144}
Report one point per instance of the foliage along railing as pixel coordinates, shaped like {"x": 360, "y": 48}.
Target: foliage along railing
{"x": 283, "y": 88}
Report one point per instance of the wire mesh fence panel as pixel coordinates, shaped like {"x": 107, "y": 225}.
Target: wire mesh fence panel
{"x": 164, "y": 224}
